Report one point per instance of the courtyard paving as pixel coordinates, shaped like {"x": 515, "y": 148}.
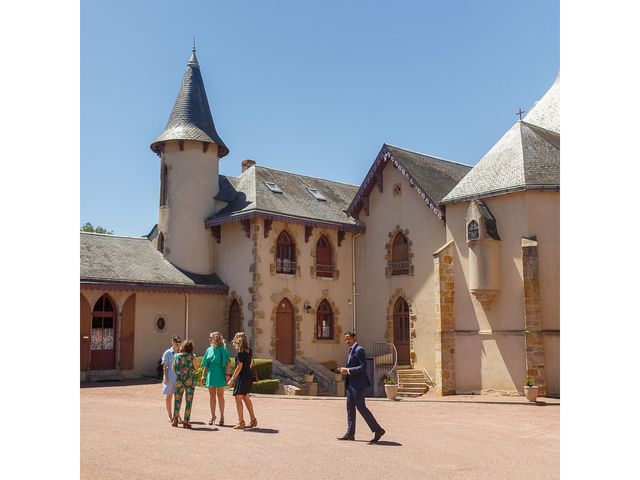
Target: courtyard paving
{"x": 125, "y": 435}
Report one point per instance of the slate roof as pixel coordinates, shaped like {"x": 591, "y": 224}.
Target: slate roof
{"x": 191, "y": 117}
{"x": 435, "y": 175}
{"x": 134, "y": 260}
{"x": 430, "y": 176}
{"x": 526, "y": 157}
{"x": 248, "y": 194}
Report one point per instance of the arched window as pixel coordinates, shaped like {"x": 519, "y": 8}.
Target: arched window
{"x": 324, "y": 261}
{"x": 400, "y": 255}
{"x": 473, "y": 230}
{"x": 161, "y": 243}
{"x": 285, "y": 254}
{"x": 235, "y": 320}
{"x": 324, "y": 321}
{"x": 163, "y": 185}
{"x": 102, "y": 324}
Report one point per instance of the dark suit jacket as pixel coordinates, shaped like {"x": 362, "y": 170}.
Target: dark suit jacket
{"x": 357, "y": 365}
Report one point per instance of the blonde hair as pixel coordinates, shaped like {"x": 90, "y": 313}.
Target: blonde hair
{"x": 216, "y": 338}
{"x": 240, "y": 342}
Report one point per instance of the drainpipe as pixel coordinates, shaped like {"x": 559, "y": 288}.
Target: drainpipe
{"x": 186, "y": 316}
{"x": 353, "y": 278}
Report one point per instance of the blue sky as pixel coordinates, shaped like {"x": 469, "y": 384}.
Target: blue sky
{"x": 314, "y": 88}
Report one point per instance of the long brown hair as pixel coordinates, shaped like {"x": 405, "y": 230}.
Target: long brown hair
{"x": 240, "y": 342}
{"x": 216, "y": 338}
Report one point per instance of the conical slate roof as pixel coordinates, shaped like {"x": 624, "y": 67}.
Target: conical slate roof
{"x": 191, "y": 117}
{"x": 527, "y": 157}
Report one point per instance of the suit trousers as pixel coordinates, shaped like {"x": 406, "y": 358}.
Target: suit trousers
{"x": 355, "y": 400}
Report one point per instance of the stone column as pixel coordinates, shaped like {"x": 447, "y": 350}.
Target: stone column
{"x": 533, "y": 337}
{"x": 444, "y": 321}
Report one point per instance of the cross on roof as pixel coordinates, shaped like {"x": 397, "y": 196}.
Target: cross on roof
{"x": 520, "y": 112}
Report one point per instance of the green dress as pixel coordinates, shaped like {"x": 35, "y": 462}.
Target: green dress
{"x": 215, "y": 361}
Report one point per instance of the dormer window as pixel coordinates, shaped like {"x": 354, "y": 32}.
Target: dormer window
{"x": 473, "y": 230}
{"x": 273, "y": 187}
{"x": 317, "y": 194}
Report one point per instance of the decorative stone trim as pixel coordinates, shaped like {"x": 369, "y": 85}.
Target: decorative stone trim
{"x": 533, "y": 337}
{"x": 389, "y": 255}
{"x": 295, "y": 301}
{"x": 444, "y": 320}
{"x": 257, "y": 314}
{"x": 337, "y": 327}
{"x": 388, "y": 332}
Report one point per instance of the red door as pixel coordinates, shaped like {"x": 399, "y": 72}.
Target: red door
{"x": 401, "y": 331}
{"x": 103, "y": 327}
{"x": 284, "y": 332}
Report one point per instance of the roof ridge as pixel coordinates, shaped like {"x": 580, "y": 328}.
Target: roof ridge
{"x": 428, "y": 155}
{"x": 538, "y": 126}
{"x": 144, "y": 237}
{"x": 302, "y": 175}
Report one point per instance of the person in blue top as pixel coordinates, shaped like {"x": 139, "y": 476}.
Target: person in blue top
{"x": 169, "y": 376}
{"x": 216, "y": 373}
{"x": 357, "y": 381}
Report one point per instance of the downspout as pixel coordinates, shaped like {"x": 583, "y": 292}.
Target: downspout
{"x": 353, "y": 277}
{"x": 186, "y": 316}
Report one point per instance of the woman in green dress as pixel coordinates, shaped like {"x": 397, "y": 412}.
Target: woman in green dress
{"x": 216, "y": 373}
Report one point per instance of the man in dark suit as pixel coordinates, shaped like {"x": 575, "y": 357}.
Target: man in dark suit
{"x": 356, "y": 381}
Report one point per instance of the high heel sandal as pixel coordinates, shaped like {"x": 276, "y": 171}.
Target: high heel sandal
{"x": 221, "y": 422}
{"x": 239, "y": 426}
{"x": 212, "y": 421}
{"x": 186, "y": 425}
{"x": 174, "y": 422}
{"x": 254, "y": 423}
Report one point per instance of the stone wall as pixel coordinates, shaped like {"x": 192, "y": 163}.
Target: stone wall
{"x": 444, "y": 320}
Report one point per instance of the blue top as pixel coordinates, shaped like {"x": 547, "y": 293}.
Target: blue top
{"x": 167, "y": 359}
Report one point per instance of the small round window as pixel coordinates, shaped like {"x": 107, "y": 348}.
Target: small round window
{"x": 161, "y": 323}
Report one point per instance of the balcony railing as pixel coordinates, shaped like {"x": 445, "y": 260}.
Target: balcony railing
{"x": 400, "y": 268}
{"x": 284, "y": 265}
{"x": 323, "y": 270}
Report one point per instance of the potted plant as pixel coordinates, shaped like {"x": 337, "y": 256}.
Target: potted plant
{"x": 530, "y": 389}
{"x": 390, "y": 387}
{"x": 308, "y": 376}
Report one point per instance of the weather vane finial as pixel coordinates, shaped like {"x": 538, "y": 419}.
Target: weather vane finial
{"x": 194, "y": 44}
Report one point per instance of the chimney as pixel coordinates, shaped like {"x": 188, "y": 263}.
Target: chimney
{"x": 247, "y": 164}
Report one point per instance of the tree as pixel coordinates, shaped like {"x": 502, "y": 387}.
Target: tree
{"x": 87, "y": 227}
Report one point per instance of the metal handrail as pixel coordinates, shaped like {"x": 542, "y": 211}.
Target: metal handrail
{"x": 431, "y": 382}
{"x": 395, "y": 363}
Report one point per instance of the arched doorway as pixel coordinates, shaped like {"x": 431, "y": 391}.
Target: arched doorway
{"x": 401, "y": 331}
{"x": 284, "y": 332}
{"x": 103, "y": 337}
{"x": 235, "y": 324}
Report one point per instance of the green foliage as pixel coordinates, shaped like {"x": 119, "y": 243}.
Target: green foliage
{"x": 261, "y": 365}
{"x": 387, "y": 380}
{"x": 87, "y": 227}
{"x": 265, "y": 386}
{"x": 528, "y": 382}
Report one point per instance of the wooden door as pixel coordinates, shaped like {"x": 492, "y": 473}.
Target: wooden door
{"x": 401, "y": 331}
{"x": 85, "y": 334}
{"x": 103, "y": 328}
{"x": 127, "y": 333}
{"x": 284, "y": 332}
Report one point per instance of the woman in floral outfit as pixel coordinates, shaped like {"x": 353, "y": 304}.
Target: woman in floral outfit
{"x": 184, "y": 365}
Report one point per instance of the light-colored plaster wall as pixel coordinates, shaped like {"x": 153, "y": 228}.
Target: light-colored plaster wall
{"x": 303, "y": 286}
{"x": 149, "y": 342}
{"x": 233, "y": 258}
{"x": 192, "y": 184}
{"x": 427, "y": 233}
{"x": 499, "y": 364}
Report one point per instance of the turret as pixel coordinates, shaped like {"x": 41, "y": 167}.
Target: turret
{"x": 189, "y": 149}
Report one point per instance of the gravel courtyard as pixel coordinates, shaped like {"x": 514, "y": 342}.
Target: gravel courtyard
{"x": 125, "y": 435}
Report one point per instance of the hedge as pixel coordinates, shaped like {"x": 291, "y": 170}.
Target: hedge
{"x": 265, "y": 386}
{"x": 261, "y": 365}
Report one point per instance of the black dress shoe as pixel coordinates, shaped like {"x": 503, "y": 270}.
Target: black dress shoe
{"x": 377, "y": 436}
{"x": 346, "y": 436}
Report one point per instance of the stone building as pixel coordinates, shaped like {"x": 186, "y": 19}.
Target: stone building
{"x": 455, "y": 266}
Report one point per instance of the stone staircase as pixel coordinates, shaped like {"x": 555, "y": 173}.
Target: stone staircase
{"x": 412, "y": 382}
{"x": 292, "y": 382}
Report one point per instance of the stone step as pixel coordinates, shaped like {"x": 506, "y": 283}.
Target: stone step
{"x": 410, "y": 395}
{"x": 411, "y": 389}
{"x": 412, "y": 385}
